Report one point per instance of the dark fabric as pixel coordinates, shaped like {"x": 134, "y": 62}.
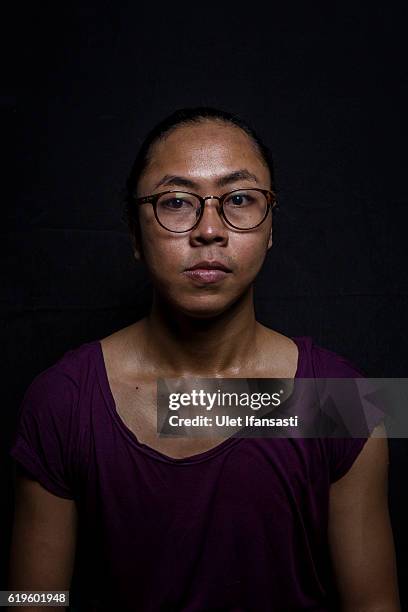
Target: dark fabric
{"x": 242, "y": 526}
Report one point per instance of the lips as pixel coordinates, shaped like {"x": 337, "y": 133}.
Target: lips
{"x": 206, "y": 275}
{"x": 209, "y": 265}
{"x": 208, "y": 272}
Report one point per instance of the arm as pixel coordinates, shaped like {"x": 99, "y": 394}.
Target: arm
{"x": 360, "y": 534}
{"x": 43, "y": 540}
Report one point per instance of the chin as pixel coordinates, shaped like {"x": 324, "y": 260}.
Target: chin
{"x": 204, "y": 304}
{"x": 203, "y": 308}
{"x": 202, "y": 314}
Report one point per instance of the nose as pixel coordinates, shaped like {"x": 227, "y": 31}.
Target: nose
{"x": 211, "y": 226}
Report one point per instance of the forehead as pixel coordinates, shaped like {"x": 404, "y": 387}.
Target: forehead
{"x": 205, "y": 151}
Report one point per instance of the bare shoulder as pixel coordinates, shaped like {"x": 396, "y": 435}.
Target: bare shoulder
{"x": 122, "y": 336}
{"x": 280, "y": 351}
{"x": 123, "y": 350}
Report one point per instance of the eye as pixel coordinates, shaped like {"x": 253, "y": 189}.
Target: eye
{"x": 174, "y": 203}
{"x": 239, "y": 199}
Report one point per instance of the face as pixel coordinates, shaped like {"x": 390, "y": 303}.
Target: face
{"x": 204, "y": 158}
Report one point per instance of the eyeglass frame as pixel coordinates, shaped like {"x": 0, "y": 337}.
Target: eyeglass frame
{"x": 153, "y": 199}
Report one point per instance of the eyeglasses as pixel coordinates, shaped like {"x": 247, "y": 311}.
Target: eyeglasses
{"x": 179, "y": 211}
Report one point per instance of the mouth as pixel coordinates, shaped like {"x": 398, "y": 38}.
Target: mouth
{"x": 210, "y": 265}
{"x": 208, "y": 272}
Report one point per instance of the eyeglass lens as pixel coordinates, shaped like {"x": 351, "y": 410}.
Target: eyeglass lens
{"x": 179, "y": 211}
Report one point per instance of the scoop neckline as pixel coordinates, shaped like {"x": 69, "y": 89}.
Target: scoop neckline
{"x": 149, "y": 450}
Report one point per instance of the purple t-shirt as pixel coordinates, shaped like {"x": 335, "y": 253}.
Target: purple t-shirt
{"x": 239, "y": 527}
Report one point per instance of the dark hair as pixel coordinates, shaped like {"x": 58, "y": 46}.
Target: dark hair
{"x": 180, "y": 117}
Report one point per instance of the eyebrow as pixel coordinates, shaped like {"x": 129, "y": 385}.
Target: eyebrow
{"x": 232, "y": 177}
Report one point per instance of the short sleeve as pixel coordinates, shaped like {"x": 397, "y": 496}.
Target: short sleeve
{"x": 44, "y": 440}
{"x": 342, "y": 452}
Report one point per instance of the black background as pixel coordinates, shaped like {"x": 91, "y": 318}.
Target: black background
{"x": 326, "y": 87}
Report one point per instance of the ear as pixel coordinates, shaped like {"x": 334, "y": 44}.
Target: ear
{"x": 137, "y": 250}
{"x": 270, "y": 242}
{"x": 136, "y": 241}
{"x": 137, "y": 255}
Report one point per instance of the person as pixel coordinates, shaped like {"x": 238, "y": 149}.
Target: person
{"x": 193, "y": 523}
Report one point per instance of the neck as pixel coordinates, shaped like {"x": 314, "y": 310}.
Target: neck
{"x": 182, "y": 345}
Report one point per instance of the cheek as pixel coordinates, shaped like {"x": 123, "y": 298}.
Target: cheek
{"x": 163, "y": 251}
{"x": 249, "y": 255}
